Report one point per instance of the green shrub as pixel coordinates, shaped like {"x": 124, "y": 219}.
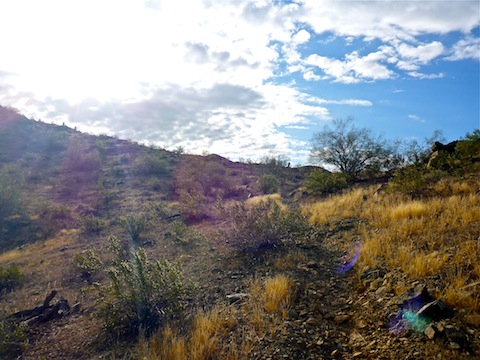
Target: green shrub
{"x": 184, "y": 234}
{"x": 92, "y": 224}
{"x": 142, "y": 293}
{"x": 10, "y": 193}
{"x": 88, "y": 264}
{"x": 135, "y": 225}
{"x": 269, "y": 184}
{"x": 262, "y": 227}
{"x": 13, "y": 338}
{"x": 202, "y": 176}
{"x": 156, "y": 184}
{"x": 415, "y": 179}
{"x": 322, "y": 182}
{"x": 151, "y": 165}
{"x": 107, "y": 199}
{"x": 192, "y": 206}
{"x": 10, "y": 277}
{"x": 54, "y": 217}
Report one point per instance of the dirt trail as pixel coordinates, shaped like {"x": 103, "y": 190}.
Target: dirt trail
{"x": 336, "y": 317}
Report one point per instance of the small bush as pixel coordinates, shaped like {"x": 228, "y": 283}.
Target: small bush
{"x": 414, "y": 179}
{"x": 10, "y": 277}
{"x": 142, "y": 293}
{"x": 10, "y": 194}
{"x": 193, "y": 206}
{"x": 107, "y": 199}
{"x": 269, "y": 184}
{"x": 156, "y": 184}
{"x": 54, "y": 217}
{"x": 13, "y": 338}
{"x": 152, "y": 165}
{"x": 92, "y": 224}
{"x": 88, "y": 263}
{"x": 323, "y": 182}
{"x": 264, "y": 226}
{"x": 135, "y": 225}
{"x": 184, "y": 234}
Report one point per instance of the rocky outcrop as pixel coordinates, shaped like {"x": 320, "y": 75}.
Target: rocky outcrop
{"x": 439, "y": 149}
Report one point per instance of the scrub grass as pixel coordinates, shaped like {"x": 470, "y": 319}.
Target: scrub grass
{"x": 227, "y": 331}
{"x": 435, "y": 235}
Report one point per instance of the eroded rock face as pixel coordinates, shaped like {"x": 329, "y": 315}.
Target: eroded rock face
{"x": 449, "y": 148}
{"x": 438, "y": 149}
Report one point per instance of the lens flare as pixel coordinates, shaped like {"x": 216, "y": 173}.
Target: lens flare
{"x": 350, "y": 259}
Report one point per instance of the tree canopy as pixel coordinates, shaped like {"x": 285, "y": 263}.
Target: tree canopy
{"x": 351, "y": 149}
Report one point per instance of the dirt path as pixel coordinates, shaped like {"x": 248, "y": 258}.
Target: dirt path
{"x": 336, "y": 316}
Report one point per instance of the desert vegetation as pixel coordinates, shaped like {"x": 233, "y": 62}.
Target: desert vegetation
{"x": 166, "y": 255}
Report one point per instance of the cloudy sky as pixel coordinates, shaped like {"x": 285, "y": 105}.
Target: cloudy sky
{"x": 243, "y": 78}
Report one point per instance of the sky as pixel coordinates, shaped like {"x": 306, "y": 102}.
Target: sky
{"x": 239, "y": 78}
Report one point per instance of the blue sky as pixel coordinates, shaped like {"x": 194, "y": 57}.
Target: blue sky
{"x": 243, "y": 79}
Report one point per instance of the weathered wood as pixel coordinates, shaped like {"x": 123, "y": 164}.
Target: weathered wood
{"x": 46, "y": 312}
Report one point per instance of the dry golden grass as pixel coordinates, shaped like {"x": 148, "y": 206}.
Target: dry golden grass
{"x": 256, "y": 200}
{"x": 277, "y": 294}
{"x": 216, "y": 334}
{"x": 437, "y": 235}
{"x": 209, "y": 339}
{"x": 336, "y": 208}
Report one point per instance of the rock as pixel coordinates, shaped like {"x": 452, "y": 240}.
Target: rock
{"x": 329, "y": 315}
{"x": 233, "y": 298}
{"x": 340, "y": 319}
{"x": 454, "y": 346}
{"x": 429, "y": 332}
{"x": 362, "y": 324}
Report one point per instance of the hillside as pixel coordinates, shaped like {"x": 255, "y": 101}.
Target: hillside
{"x": 162, "y": 255}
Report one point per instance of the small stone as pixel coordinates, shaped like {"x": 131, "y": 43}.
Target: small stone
{"x": 340, "y": 319}
{"x": 319, "y": 342}
{"x": 329, "y": 315}
{"x": 375, "y": 284}
{"x": 454, "y": 346}
{"x": 232, "y": 298}
{"x": 336, "y": 353}
{"x": 303, "y": 313}
{"x": 429, "y": 332}
{"x": 362, "y": 324}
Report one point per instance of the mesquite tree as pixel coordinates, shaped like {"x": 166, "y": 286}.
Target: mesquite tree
{"x": 350, "y": 149}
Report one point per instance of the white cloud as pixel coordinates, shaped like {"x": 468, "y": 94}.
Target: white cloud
{"x": 415, "y": 56}
{"x": 422, "y": 76}
{"x": 389, "y": 20}
{"x": 309, "y": 75}
{"x": 209, "y": 74}
{"x": 468, "y": 48}
{"x": 416, "y": 118}
{"x": 354, "y": 68}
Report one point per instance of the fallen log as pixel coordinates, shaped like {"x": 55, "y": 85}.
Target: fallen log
{"x": 46, "y": 312}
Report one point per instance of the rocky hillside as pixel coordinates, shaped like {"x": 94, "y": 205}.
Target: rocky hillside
{"x": 115, "y": 250}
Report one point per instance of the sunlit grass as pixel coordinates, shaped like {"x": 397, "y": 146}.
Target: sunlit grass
{"x": 435, "y": 235}
{"x": 277, "y": 293}
{"x": 336, "y": 208}
{"x": 226, "y": 331}
{"x": 257, "y": 200}
{"x": 208, "y": 339}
